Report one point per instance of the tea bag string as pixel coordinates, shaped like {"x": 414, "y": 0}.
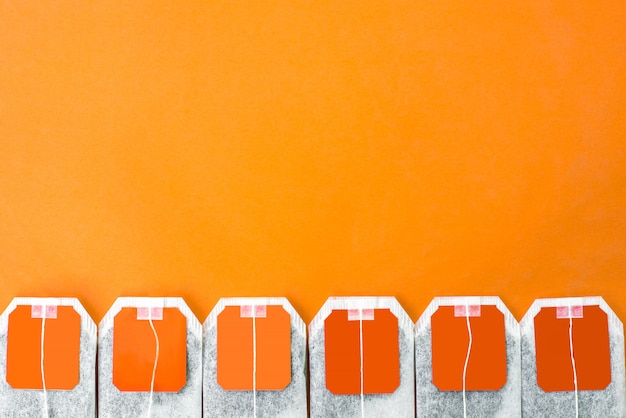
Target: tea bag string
{"x": 361, "y": 361}
{"x": 469, "y": 349}
{"x": 156, "y": 361}
{"x": 43, "y": 375}
{"x": 571, "y": 352}
{"x": 254, "y": 360}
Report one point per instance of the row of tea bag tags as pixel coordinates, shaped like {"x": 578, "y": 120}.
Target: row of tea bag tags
{"x": 465, "y": 357}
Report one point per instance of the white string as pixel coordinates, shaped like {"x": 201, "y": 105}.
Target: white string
{"x": 469, "y": 349}
{"x": 571, "y": 352}
{"x": 254, "y": 360}
{"x": 43, "y": 376}
{"x": 361, "y": 354}
{"x": 156, "y": 361}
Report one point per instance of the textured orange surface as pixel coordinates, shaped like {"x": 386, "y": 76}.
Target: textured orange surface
{"x": 307, "y": 149}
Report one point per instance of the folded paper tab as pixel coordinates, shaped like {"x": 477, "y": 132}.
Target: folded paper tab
{"x": 467, "y": 310}
{"x": 49, "y": 345}
{"x": 146, "y": 314}
{"x": 467, "y": 354}
{"x": 256, "y": 311}
{"x": 575, "y": 311}
{"x": 150, "y": 357}
{"x": 254, "y": 359}
{"x": 573, "y": 358}
{"x": 361, "y": 359}
{"x": 360, "y": 314}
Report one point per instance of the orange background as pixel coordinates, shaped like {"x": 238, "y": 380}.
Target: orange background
{"x": 313, "y": 148}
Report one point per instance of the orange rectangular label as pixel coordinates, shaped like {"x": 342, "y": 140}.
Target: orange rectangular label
{"x": 237, "y": 350}
{"x": 61, "y": 348}
{"x": 381, "y": 354}
{"x": 591, "y": 349}
{"x": 134, "y": 351}
{"x": 486, "y": 369}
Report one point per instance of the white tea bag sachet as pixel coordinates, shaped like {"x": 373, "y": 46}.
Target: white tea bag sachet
{"x": 467, "y": 359}
{"x": 149, "y": 359}
{"x": 572, "y": 359}
{"x": 361, "y": 359}
{"x": 254, "y": 359}
{"x": 47, "y": 359}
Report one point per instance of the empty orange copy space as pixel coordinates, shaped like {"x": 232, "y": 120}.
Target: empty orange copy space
{"x": 591, "y": 348}
{"x": 486, "y": 368}
{"x": 309, "y": 149}
{"x": 235, "y": 350}
{"x": 381, "y": 355}
{"x": 134, "y": 351}
{"x": 61, "y": 349}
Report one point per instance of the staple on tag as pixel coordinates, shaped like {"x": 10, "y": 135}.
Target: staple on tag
{"x": 250, "y": 311}
{"x": 360, "y": 314}
{"x": 367, "y": 314}
{"x": 564, "y": 312}
{"x": 467, "y": 310}
{"x": 245, "y": 311}
{"x": 145, "y": 314}
{"x": 354, "y": 314}
{"x": 44, "y": 311}
{"x": 260, "y": 311}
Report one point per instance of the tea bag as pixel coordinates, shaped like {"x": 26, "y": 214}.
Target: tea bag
{"x": 47, "y": 359}
{"x": 361, "y": 359}
{"x": 254, "y": 359}
{"x": 467, "y": 359}
{"x": 572, "y": 359}
{"x": 149, "y": 359}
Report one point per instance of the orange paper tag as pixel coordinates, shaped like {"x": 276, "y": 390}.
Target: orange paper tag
{"x": 591, "y": 348}
{"x": 381, "y": 355}
{"x": 134, "y": 349}
{"x": 486, "y": 369}
{"x": 236, "y": 347}
{"x": 61, "y": 347}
